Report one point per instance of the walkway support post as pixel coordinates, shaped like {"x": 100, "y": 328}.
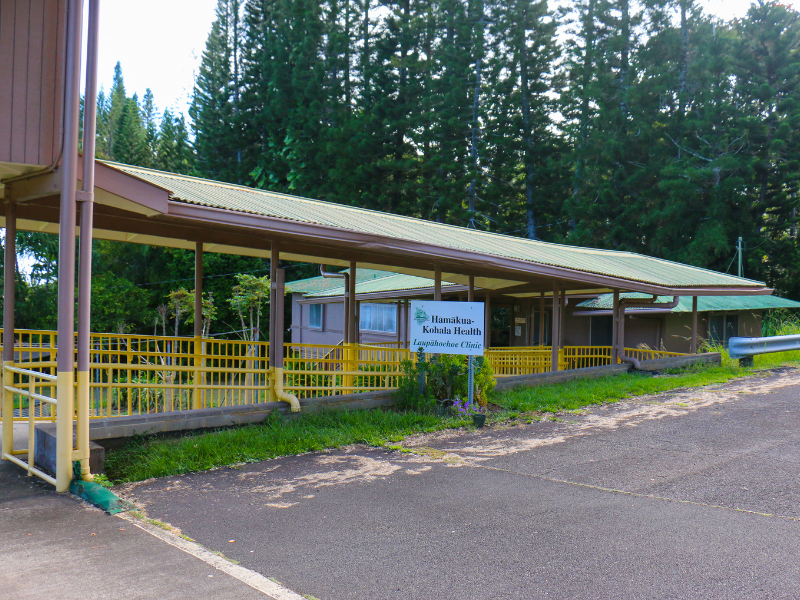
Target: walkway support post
{"x": 86, "y": 196}
{"x": 398, "y": 321}
{"x": 541, "y": 319}
{"x": 405, "y": 318}
{"x": 352, "y": 316}
{"x": 487, "y": 321}
{"x": 277, "y": 282}
{"x": 471, "y": 292}
{"x": 198, "y": 325}
{"x": 615, "y": 329}
{"x": 351, "y": 337}
{"x": 437, "y": 283}
{"x": 66, "y": 252}
{"x": 9, "y": 289}
{"x": 693, "y": 346}
{"x": 555, "y": 330}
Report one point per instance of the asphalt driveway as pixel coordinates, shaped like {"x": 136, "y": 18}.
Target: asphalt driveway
{"x": 690, "y": 494}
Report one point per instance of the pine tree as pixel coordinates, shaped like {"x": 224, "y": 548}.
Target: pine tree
{"x": 519, "y": 121}
{"x": 150, "y": 123}
{"x": 216, "y": 99}
{"x": 130, "y": 140}
{"x": 117, "y": 104}
{"x": 103, "y": 110}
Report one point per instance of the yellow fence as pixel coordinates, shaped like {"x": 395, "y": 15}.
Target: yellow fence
{"x": 522, "y": 360}
{"x": 136, "y": 374}
{"x": 581, "y": 357}
{"x": 320, "y": 370}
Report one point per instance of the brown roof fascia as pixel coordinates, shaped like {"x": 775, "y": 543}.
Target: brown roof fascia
{"x": 511, "y": 268}
{"x": 132, "y": 188}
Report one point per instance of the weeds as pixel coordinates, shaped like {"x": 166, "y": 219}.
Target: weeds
{"x": 144, "y": 458}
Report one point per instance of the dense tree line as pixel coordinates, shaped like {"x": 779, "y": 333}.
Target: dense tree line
{"x": 646, "y": 125}
{"x": 641, "y": 125}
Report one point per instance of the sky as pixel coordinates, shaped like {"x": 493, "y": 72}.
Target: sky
{"x": 159, "y": 43}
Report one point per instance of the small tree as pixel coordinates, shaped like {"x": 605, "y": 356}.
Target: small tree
{"x": 180, "y": 301}
{"x": 249, "y": 296}
{"x": 209, "y": 312}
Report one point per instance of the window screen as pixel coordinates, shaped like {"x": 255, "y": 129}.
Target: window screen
{"x": 378, "y": 317}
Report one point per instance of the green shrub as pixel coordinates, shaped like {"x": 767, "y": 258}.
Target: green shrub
{"x": 443, "y": 378}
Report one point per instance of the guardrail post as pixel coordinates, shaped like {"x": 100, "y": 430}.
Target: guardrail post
{"x": 747, "y": 361}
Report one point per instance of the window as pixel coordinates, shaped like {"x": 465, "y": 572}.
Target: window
{"x": 731, "y": 327}
{"x": 722, "y": 328}
{"x": 535, "y": 340}
{"x": 378, "y": 317}
{"x": 315, "y": 316}
{"x": 601, "y": 330}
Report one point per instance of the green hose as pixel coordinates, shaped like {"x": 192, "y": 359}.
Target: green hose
{"x": 96, "y": 493}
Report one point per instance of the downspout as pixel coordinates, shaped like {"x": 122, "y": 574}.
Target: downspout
{"x": 282, "y": 395}
{"x": 86, "y": 198}
{"x": 646, "y": 304}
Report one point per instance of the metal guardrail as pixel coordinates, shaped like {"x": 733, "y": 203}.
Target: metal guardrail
{"x": 746, "y": 347}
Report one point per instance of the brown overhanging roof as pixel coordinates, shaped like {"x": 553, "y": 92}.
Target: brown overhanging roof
{"x": 130, "y": 208}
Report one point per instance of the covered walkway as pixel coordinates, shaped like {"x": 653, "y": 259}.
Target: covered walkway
{"x": 122, "y": 375}
{"x": 46, "y": 186}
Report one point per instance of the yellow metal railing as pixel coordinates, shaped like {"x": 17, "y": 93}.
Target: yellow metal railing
{"x": 138, "y": 374}
{"x": 522, "y": 360}
{"x": 28, "y": 385}
{"x": 327, "y": 370}
{"x": 581, "y": 357}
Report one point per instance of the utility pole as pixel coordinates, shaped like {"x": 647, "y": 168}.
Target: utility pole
{"x": 739, "y": 250}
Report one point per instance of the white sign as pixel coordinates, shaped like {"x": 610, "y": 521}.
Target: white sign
{"x": 446, "y": 327}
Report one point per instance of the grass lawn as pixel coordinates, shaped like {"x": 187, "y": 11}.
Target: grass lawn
{"x": 143, "y": 458}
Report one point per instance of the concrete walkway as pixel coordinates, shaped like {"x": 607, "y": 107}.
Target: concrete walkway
{"x": 55, "y": 546}
{"x": 687, "y": 495}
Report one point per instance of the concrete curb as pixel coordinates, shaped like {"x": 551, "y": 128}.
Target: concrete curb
{"x": 255, "y": 580}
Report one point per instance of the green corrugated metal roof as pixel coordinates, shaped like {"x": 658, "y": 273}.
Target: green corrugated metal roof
{"x": 393, "y": 283}
{"x": 704, "y": 303}
{"x": 313, "y": 285}
{"x": 622, "y": 265}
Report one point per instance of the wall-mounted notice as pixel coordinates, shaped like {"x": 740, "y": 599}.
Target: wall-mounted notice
{"x": 447, "y": 327}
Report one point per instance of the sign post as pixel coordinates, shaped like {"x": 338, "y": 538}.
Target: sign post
{"x": 449, "y": 328}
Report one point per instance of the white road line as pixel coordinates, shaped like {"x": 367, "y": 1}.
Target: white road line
{"x": 254, "y": 580}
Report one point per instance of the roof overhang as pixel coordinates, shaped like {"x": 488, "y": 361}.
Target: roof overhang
{"x": 130, "y": 209}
